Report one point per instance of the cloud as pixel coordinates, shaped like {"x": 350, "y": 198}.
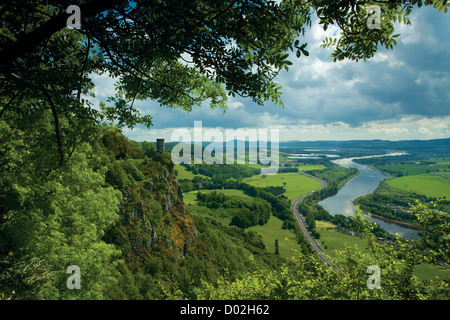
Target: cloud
{"x": 399, "y": 94}
{"x": 405, "y": 128}
{"x": 409, "y": 127}
{"x": 104, "y": 85}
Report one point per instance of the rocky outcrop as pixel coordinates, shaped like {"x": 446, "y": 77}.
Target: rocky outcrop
{"x": 153, "y": 215}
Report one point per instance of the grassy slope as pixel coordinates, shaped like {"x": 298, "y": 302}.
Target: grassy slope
{"x": 430, "y": 179}
{"x": 296, "y": 183}
{"x": 307, "y": 167}
{"x": 271, "y": 231}
{"x": 182, "y": 173}
{"x": 191, "y": 197}
{"x": 430, "y": 184}
{"x": 413, "y": 168}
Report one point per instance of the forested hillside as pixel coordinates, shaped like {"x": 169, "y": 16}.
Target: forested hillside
{"x": 108, "y": 208}
{"x": 116, "y": 210}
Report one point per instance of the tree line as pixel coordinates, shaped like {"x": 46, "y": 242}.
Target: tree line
{"x": 245, "y": 212}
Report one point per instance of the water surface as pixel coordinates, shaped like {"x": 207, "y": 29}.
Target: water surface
{"x": 366, "y": 182}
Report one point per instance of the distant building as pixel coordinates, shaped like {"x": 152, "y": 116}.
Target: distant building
{"x": 159, "y": 145}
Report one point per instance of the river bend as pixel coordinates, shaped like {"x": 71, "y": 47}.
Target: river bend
{"x": 365, "y": 183}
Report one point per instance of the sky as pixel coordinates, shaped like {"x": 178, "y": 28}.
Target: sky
{"x": 399, "y": 94}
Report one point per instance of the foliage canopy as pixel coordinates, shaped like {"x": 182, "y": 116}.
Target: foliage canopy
{"x": 179, "y": 53}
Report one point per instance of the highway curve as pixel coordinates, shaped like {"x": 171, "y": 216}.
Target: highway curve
{"x": 301, "y": 222}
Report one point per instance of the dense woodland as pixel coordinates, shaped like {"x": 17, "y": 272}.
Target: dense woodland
{"x": 244, "y": 213}
{"x": 98, "y": 212}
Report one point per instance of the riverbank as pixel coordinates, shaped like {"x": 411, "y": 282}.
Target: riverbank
{"x": 349, "y": 179}
{"x": 389, "y": 220}
{"x": 397, "y": 222}
{"x": 365, "y": 183}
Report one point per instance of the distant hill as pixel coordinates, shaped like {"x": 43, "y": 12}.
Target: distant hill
{"x": 434, "y": 145}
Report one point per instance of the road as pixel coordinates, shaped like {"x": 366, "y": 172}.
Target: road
{"x": 301, "y": 222}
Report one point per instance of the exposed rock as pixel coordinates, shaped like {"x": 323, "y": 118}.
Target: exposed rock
{"x": 144, "y": 227}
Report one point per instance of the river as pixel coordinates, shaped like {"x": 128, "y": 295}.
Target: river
{"x": 366, "y": 182}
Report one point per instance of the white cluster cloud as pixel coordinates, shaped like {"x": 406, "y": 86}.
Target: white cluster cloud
{"x": 406, "y": 128}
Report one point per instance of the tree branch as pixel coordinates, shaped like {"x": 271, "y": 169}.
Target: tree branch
{"x": 32, "y": 39}
{"x": 55, "y": 114}
{"x": 83, "y": 67}
{"x": 9, "y": 102}
{"x": 57, "y": 132}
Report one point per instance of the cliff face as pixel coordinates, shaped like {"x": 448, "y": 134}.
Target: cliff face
{"x": 154, "y": 216}
{"x": 177, "y": 222}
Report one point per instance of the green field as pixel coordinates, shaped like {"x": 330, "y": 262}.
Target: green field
{"x": 297, "y": 184}
{"x": 431, "y": 165}
{"x": 335, "y": 240}
{"x": 307, "y": 167}
{"x": 269, "y": 232}
{"x": 272, "y": 230}
{"x": 430, "y": 184}
{"x": 182, "y": 173}
{"x": 191, "y": 197}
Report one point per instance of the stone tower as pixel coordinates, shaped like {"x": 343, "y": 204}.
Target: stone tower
{"x": 159, "y": 145}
